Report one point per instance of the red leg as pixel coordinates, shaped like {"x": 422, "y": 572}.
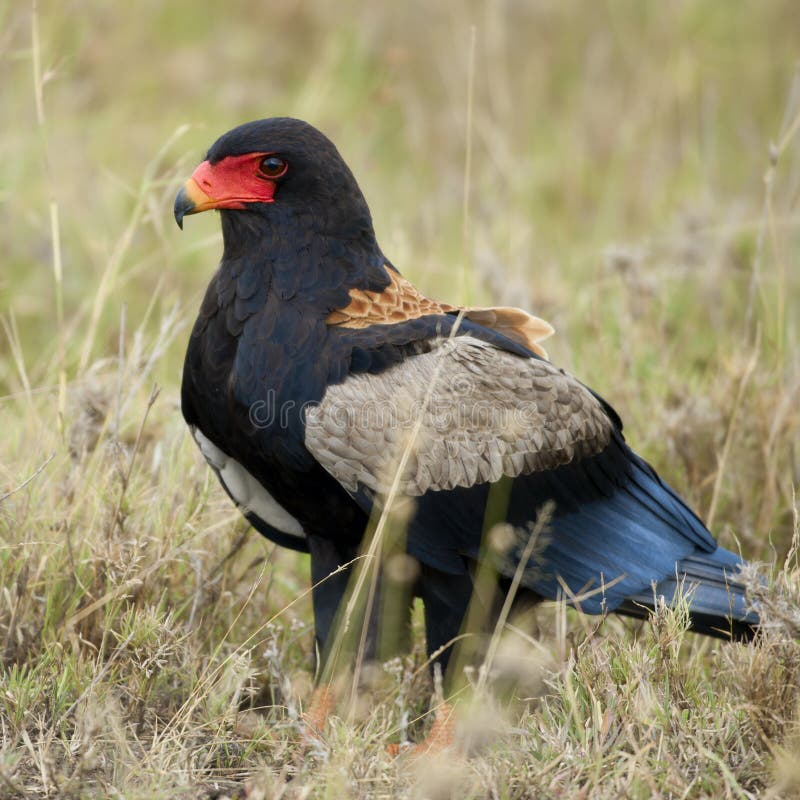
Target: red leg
{"x": 318, "y": 711}
{"x": 440, "y": 737}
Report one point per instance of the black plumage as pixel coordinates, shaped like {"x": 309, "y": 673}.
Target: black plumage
{"x": 264, "y": 358}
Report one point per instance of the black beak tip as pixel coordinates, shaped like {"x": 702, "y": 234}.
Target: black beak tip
{"x": 183, "y": 206}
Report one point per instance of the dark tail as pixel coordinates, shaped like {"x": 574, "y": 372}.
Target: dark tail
{"x": 717, "y": 601}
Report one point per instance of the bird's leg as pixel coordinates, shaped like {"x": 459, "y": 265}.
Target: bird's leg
{"x": 459, "y": 612}
{"x": 343, "y": 643}
{"x": 440, "y": 736}
{"x": 329, "y": 586}
{"x": 319, "y": 709}
{"x": 446, "y": 598}
{"x": 442, "y": 733}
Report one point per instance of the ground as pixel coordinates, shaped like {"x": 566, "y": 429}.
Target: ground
{"x": 626, "y": 170}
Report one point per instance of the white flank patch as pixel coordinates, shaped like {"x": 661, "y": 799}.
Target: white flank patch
{"x": 248, "y": 493}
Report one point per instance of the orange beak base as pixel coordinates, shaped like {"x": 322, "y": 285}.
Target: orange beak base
{"x": 191, "y": 199}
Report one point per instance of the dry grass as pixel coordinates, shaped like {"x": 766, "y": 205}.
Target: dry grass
{"x": 150, "y": 646}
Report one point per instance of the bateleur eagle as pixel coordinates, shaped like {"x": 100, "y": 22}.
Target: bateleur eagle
{"x": 313, "y": 362}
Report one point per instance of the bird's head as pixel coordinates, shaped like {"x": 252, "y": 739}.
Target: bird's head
{"x": 290, "y": 206}
{"x": 268, "y": 164}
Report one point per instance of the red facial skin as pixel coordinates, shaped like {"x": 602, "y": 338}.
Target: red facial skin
{"x": 231, "y": 183}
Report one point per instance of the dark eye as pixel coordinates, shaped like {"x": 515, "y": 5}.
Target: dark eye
{"x": 273, "y": 166}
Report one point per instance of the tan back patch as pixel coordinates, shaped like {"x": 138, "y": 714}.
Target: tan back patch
{"x": 516, "y": 324}
{"x": 400, "y": 301}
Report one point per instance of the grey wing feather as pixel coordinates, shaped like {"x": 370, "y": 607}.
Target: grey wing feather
{"x": 475, "y": 413}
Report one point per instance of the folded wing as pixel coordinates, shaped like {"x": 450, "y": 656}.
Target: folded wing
{"x": 461, "y": 415}
{"x": 465, "y": 411}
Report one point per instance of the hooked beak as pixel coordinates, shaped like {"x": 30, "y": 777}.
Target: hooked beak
{"x": 191, "y": 199}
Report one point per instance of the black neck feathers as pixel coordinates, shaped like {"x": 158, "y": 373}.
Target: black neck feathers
{"x": 301, "y": 256}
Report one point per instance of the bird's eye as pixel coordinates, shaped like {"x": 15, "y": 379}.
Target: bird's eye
{"x": 273, "y": 166}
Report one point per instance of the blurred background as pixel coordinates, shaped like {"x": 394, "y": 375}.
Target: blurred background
{"x": 614, "y": 154}
{"x": 627, "y": 170}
